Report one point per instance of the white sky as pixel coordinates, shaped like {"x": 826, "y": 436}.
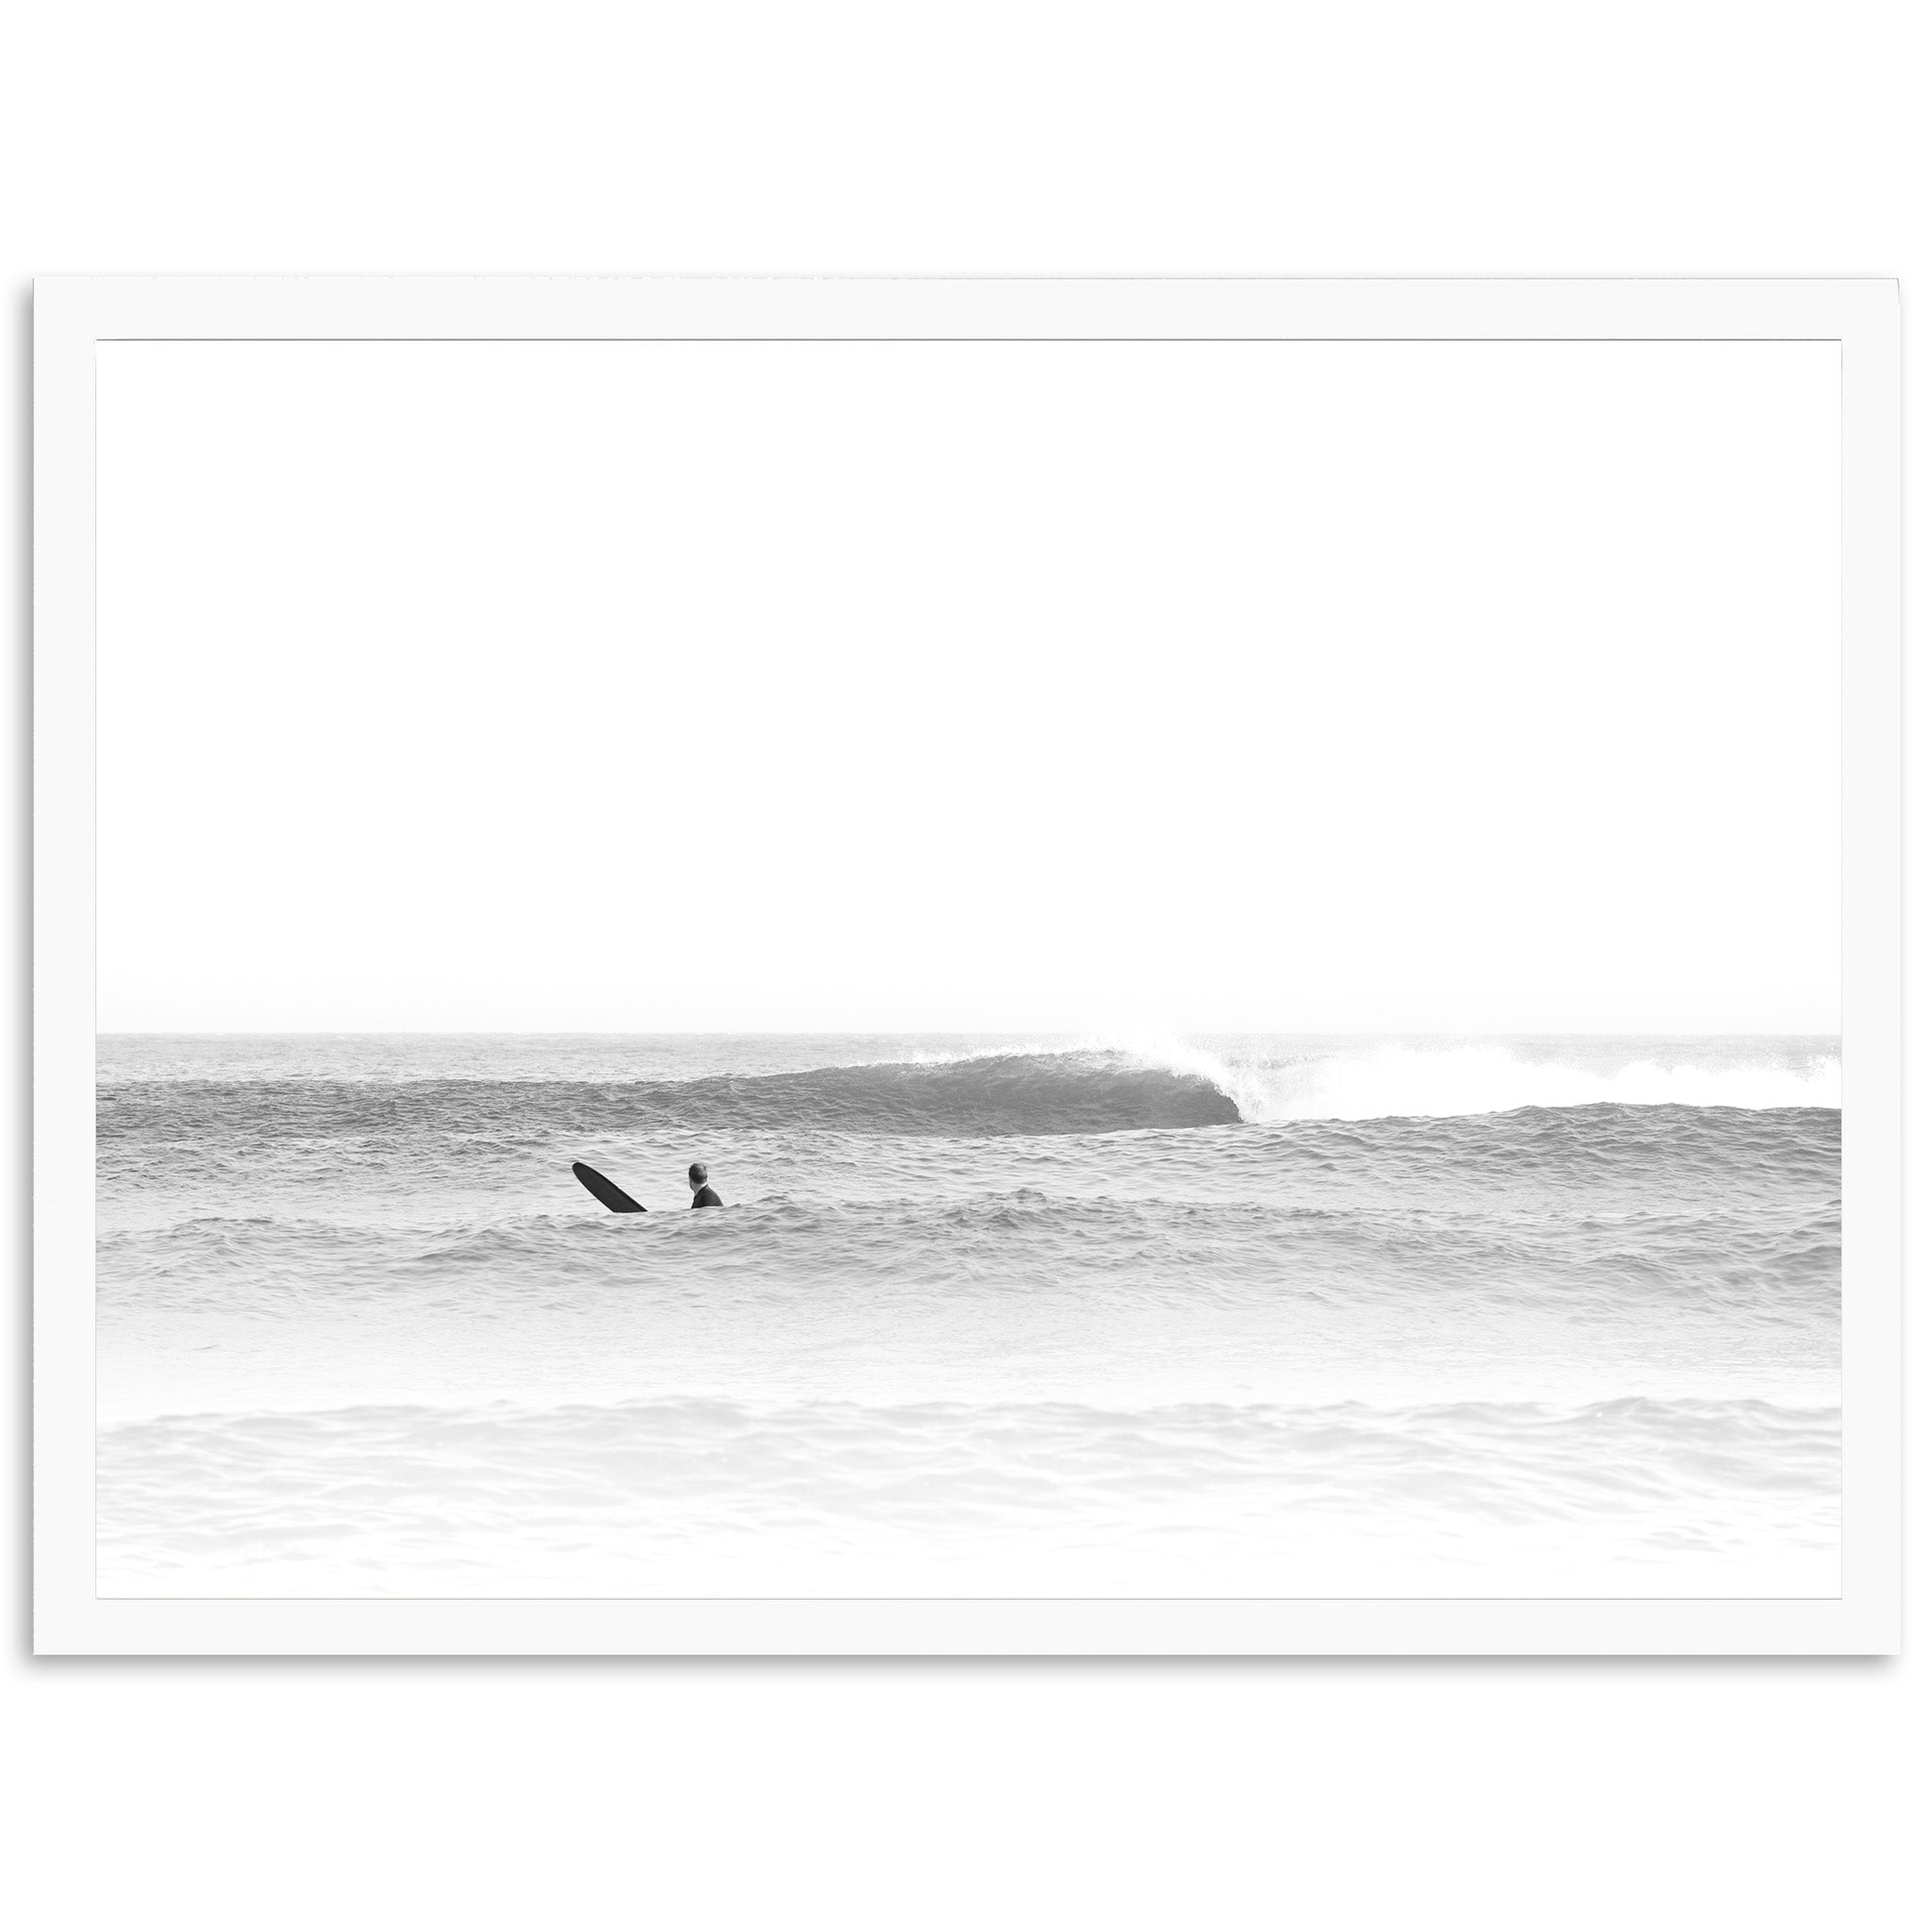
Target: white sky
{"x": 1065, "y": 687}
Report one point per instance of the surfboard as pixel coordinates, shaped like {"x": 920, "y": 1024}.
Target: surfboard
{"x": 613, "y": 1196}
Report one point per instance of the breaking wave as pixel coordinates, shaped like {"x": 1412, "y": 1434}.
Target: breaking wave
{"x": 1387, "y": 1080}
{"x": 1098, "y": 1088}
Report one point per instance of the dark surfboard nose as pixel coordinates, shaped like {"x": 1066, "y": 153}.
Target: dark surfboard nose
{"x": 613, "y": 1196}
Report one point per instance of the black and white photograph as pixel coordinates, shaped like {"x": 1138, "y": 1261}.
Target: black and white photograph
{"x": 1142, "y": 969}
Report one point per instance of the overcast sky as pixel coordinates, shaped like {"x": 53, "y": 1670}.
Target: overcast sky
{"x": 1046, "y": 687}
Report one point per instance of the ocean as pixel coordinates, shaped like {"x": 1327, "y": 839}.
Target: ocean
{"x": 1255, "y": 1316}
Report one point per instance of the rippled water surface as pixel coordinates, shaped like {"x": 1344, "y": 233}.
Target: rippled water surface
{"x": 1250, "y": 1316}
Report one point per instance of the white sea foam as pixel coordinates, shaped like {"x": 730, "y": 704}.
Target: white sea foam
{"x": 712, "y": 1498}
{"x": 1383, "y": 1080}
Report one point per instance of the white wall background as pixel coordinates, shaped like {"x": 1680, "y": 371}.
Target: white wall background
{"x": 1687, "y": 138}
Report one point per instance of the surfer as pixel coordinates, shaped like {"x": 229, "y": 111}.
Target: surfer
{"x": 703, "y": 1194}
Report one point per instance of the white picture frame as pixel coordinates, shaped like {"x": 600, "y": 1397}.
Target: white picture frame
{"x": 74, "y": 315}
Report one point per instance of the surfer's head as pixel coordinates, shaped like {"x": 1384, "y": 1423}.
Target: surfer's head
{"x": 700, "y": 1174}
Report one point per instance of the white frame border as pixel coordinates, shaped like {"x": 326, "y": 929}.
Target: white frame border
{"x": 73, "y": 314}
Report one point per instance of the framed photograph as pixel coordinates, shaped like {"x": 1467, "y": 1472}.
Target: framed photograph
{"x": 966, "y": 966}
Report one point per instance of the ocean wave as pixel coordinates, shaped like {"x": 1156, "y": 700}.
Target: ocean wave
{"x": 1089, "y": 1089}
{"x": 168, "y": 1157}
{"x": 969, "y": 1097}
{"x": 1763, "y": 1266}
{"x": 1386, "y": 1080}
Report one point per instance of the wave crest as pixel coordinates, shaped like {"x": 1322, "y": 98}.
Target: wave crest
{"x": 970, "y": 1098}
{"x": 1401, "y": 1080}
